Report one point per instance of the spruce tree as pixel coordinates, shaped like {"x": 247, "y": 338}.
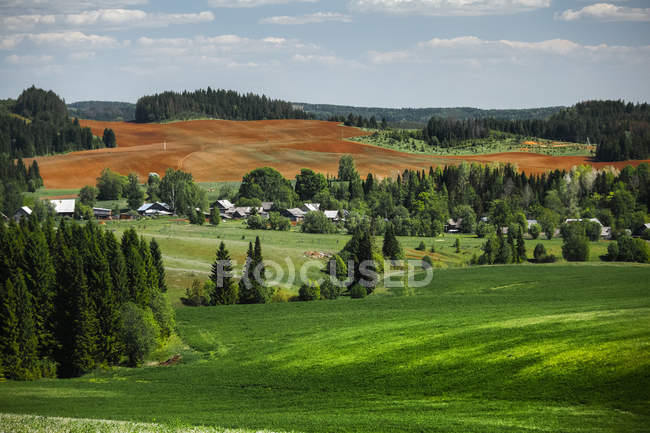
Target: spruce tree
{"x": 117, "y": 267}
{"x": 18, "y": 338}
{"x": 246, "y": 291}
{"x": 151, "y": 272}
{"x": 521, "y": 248}
{"x": 391, "y": 249}
{"x": 40, "y": 277}
{"x": 136, "y": 274}
{"x": 156, "y": 256}
{"x": 225, "y": 289}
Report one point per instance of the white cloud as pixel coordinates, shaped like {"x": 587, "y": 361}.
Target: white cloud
{"x": 135, "y": 18}
{"x": 605, "y": 12}
{"x": 25, "y": 22}
{"x": 326, "y": 60}
{"x": 318, "y": 17}
{"x": 472, "y": 50}
{"x": 449, "y": 7}
{"x": 82, "y": 55}
{"x": 60, "y": 39}
{"x": 28, "y": 59}
{"x": 252, "y": 3}
{"x": 64, "y": 6}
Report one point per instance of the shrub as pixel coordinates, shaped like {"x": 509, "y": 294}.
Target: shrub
{"x": 534, "y": 231}
{"x": 197, "y": 295}
{"x": 427, "y": 263}
{"x": 433, "y": 248}
{"x": 281, "y": 295}
{"x": 575, "y": 246}
{"x": 592, "y": 230}
{"x": 255, "y": 222}
{"x": 163, "y": 312}
{"x": 421, "y": 247}
{"x": 540, "y": 252}
{"x": 215, "y": 216}
{"x": 612, "y": 251}
{"x": 138, "y": 332}
{"x": 278, "y": 222}
{"x": 88, "y": 195}
{"x": 357, "y": 291}
{"x": 457, "y": 245}
{"x": 309, "y": 292}
{"x": 317, "y": 222}
{"x": 330, "y": 290}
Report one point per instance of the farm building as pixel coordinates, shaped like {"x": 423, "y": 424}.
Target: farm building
{"x": 64, "y": 207}
{"x": 294, "y": 214}
{"x": 101, "y": 213}
{"x": 223, "y": 206}
{"x": 23, "y": 212}
{"x": 157, "y": 208}
{"x": 310, "y": 207}
{"x": 605, "y": 232}
{"x": 453, "y": 226}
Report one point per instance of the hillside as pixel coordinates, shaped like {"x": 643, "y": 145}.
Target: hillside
{"x": 485, "y": 349}
{"x": 418, "y": 117}
{"x": 217, "y": 150}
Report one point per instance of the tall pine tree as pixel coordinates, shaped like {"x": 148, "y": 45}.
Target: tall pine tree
{"x": 225, "y": 289}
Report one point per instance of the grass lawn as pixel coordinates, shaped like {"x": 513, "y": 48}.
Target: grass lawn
{"x": 189, "y": 250}
{"x": 547, "y": 348}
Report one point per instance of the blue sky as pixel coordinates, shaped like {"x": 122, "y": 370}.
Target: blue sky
{"x": 390, "y": 53}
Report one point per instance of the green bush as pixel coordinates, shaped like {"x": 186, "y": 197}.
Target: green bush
{"x": 575, "y": 246}
{"x": 539, "y": 252}
{"x": 421, "y": 247}
{"x": 534, "y": 231}
{"x": 484, "y": 229}
{"x": 330, "y": 290}
{"x": 309, "y": 292}
{"x": 592, "y": 230}
{"x": 163, "y": 312}
{"x": 138, "y": 332}
{"x": 427, "y": 263}
{"x": 357, "y": 291}
{"x": 317, "y": 222}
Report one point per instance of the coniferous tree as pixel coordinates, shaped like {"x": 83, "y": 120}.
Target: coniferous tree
{"x": 156, "y": 256}
{"x": 40, "y": 277}
{"x": 391, "y": 249}
{"x": 225, "y": 289}
{"x": 117, "y": 267}
{"x": 136, "y": 274}
{"x": 18, "y": 337}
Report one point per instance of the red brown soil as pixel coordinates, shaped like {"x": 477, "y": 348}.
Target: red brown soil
{"x": 219, "y": 150}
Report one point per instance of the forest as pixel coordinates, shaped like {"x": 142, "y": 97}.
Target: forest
{"x": 619, "y": 130}
{"x": 214, "y": 104}
{"x": 107, "y": 111}
{"x": 15, "y": 179}
{"x": 37, "y": 123}
{"x": 73, "y": 298}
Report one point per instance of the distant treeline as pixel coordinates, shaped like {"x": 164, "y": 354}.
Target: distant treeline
{"x": 620, "y": 130}
{"x": 106, "y": 111}
{"x": 217, "y": 104}
{"x": 15, "y": 179}
{"x": 37, "y": 123}
{"x": 418, "y": 117}
{"x": 75, "y": 298}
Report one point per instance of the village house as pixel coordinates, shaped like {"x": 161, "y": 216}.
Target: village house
{"x": 223, "y": 206}
{"x": 294, "y": 214}
{"x": 23, "y": 212}
{"x": 101, "y": 213}
{"x": 453, "y": 226}
{"x": 157, "y": 208}
{"x": 310, "y": 207}
{"x": 64, "y": 208}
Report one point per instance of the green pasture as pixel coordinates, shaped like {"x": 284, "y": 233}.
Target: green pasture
{"x": 544, "y": 348}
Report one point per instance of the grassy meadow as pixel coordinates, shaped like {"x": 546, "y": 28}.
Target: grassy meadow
{"x": 497, "y": 143}
{"x": 548, "y": 348}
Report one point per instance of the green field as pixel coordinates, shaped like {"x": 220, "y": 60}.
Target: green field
{"x": 498, "y": 143}
{"x": 189, "y": 250}
{"x": 545, "y": 348}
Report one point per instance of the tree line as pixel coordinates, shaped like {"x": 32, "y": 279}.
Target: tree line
{"x": 73, "y": 298}
{"x": 419, "y": 203}
{"x": 37, "y": 123}
{"x": 216, "y": 104}
{"x": 619, "y": 130}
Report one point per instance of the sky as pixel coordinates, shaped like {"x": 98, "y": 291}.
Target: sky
{"x": 381, "y": 53}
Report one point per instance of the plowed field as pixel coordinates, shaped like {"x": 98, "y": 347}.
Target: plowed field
{"x": 218, "y": 150}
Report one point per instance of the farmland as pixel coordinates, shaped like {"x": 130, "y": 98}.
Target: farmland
{"x": 216, "y": 150}
{"x": 486, "y": 349}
